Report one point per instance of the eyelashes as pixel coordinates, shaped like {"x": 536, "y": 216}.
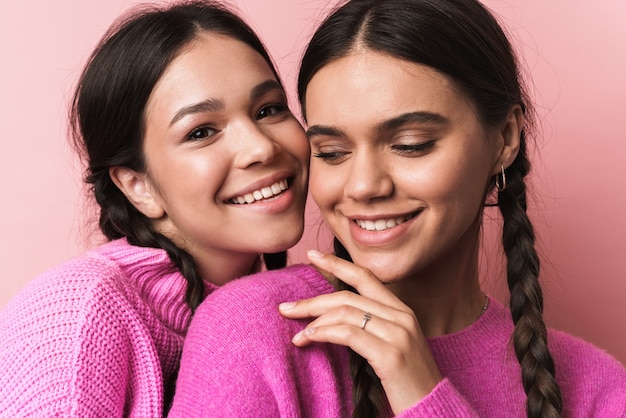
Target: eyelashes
{"x": 274, "y": 110}
{"x": 201, "y": 133}
{"x": 329, "y": 157}
{"x": 413, "y": 148}
{"x": 408, "y": 150}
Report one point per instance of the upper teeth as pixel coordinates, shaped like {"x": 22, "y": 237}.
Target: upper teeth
{"x": 382, "y": 224}
{"x": 261, "y": 194}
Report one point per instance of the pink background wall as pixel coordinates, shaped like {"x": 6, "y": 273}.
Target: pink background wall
{"x": 574, "y": 48}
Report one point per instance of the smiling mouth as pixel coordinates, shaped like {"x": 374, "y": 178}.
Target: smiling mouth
{"x": 261, "y": 194}
{"x": 383, "y": 224}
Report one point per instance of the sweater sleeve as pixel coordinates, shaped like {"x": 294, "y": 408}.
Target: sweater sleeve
{"x": 592, "y": 382}
{"x": 65, "y": 349}
{"x": 230, "y": 342}
{"x": 444, "y": 401}
{"x": 217, "y": 376}
{"x": 238, "y": 359}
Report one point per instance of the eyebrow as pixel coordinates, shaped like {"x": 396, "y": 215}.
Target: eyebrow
{"x": 386, "y": 125}
{"x": 265, "y": 87}
{"x": 215, "y": 105}
{"x": 209, "y": 105}
{"x": 411, "y": 117}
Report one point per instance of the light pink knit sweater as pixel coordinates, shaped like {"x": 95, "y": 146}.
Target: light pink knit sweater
{"x": 238, "y": 361}
{"x": 94, "y": 337}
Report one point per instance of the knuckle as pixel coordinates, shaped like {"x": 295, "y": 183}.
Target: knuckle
{"x": 407, "y": 319}
{"x": 349, "y": 332}
{"x": 344, "y": 311}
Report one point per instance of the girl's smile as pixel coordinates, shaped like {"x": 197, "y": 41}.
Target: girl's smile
{"x": 401, "y": 162}
{"x": 221, "y": 145}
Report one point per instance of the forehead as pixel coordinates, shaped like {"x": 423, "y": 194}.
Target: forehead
{"x": 377, "y": 85}
{"x": 212, "y": 65}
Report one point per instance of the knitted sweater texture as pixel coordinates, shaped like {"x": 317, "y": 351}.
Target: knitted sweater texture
{"x": 238, "y": 361}
{"x": 96, "y": 336}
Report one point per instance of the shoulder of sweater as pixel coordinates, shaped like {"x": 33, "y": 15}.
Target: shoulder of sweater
{"x": 293, "y": 282}
{"x": 99, "y": 271}
{"x": 251, "y": 301}
{"x": 71, "y": 278}
{"x": 115, "y": 256}
{"x": 574, "y": 355}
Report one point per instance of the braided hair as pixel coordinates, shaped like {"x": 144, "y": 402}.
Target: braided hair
{"x": 108, "y": 108}
{"x": 106, "y": 117}
{"x": 462, "y": 39}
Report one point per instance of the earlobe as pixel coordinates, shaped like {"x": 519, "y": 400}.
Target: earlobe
{"x": 136, "y": 188}
{"x": 511, "y": 133}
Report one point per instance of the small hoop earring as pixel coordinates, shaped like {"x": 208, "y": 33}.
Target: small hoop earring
{"x": 501, "y": 185}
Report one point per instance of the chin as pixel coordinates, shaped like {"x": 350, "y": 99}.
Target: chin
{"x": 386, "y": 272}
{"x": 285, "y": 243}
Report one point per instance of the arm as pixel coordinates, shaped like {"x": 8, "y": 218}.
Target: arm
{"x": 238, "y": 359}
{"x": 592, "y": 382}
{"x": 217, "y": 375}
{"x": 442, "y": 402}
{"x": 47, "y": 329}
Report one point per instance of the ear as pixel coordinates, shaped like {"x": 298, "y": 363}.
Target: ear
{"x": 137, "y": 189}
{"x": 510, "y": 136}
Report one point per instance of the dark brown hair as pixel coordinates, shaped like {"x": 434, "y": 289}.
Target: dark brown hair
{"x": 463, "y": 40}
{"x": 107, "y": 112}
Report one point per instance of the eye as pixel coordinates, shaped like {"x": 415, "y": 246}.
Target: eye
{"x": 411, "y": 149}
{"x": 201, "y": 133}
{"x": 271, "y": 110}
{"x": 330, "y": 157}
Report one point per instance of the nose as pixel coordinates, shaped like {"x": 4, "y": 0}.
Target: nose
{"x": 369, "y": 177}
{"x": 254, "y": 146}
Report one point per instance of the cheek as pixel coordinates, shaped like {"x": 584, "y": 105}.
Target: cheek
{"x": 194, "y": 178}
{"x": 292, "y": 138}
{"x": 456, "y": 186}
{"x": 324, "y": 185}
{"x": 301, "y": 149}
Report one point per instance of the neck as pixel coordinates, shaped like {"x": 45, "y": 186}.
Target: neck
{"x": 221, "y": 269}
{"x": 446, "y": 297}
{"x": 217, "y": 266}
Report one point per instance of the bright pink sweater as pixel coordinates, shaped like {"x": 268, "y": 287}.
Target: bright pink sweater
{"x": 238, "y": 361}
{"x": 96, "y": 336}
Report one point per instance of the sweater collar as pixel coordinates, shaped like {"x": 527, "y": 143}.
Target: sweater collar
{"x": 156, "y": 279}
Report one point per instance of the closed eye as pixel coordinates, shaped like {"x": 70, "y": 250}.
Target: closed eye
{"x": 330, "y": 157}
{"x": 413, "y": 148}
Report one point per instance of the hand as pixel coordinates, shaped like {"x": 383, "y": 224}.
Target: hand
{"x": 391, "y": 341}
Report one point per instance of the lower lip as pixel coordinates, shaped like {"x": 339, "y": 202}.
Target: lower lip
{"x": 368, "y": 238}
{"x": 272, "y": 205}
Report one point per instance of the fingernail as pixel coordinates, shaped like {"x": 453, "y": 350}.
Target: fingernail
{"x": 286, "y": 306}
{"x": 301, "y": 334}
{"x": 314, "y": 254}
{"x": 297, "y": 337}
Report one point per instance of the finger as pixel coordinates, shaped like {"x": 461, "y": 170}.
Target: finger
{"x": 348, "y": 315}
{"x": 365, "y": 343}
{"x": 358, "y": 277}
{"x": 391, "y": 326}
{"x": 408, "y": 374}
{"x": 320, "y": 305}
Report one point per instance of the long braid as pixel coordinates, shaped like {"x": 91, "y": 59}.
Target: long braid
{"x": 108, "y": 109}
{"x": 118, "y": 218}
{"x": 529, "y": 336}
{"x": 368, "y": 395}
